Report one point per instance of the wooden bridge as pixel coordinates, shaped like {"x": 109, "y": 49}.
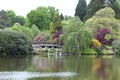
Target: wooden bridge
{"x": 46, "y": 44}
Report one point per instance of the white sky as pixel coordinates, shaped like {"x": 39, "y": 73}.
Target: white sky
{"x": 23, "y": 7}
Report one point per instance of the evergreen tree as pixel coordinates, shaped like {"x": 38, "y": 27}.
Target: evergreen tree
{"x": 61, "y": 16}
{"x": 80, "y": 9}
{"x": 4, "y": 20}
{"x": 93, "y": 6}
{"x": 19, "y": 19}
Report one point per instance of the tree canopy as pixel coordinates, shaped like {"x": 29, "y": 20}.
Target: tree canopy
{"x": 19, "y": 19}
{"x": 11, "y": 14}
{"x": 55, "y": 25}
{"x": 40, "y": 17}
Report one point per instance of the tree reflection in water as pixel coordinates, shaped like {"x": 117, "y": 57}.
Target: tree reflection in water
{"x": 86, "y": 67}
{"x": 102, "y": 68}
{"x": 40, "y": 63}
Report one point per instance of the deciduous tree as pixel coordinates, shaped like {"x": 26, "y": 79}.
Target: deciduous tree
{"x": 40, "y": 17}
{"x": 11, "y": 14}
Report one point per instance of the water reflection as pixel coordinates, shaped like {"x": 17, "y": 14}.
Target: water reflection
{"x": 102, "y": 68}
{"x": 48, "y": 68}
{"x": 14, "y": 63}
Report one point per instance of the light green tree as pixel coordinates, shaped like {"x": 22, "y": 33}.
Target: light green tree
{"x": 55, "y": 25}
{"x": 35, "y": 30}
{"x": 11, "y": 14}
{"x": 40, "y": 17}
{"x": 76, "y": 38}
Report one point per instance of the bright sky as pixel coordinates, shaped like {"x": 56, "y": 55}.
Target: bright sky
{"x": 23, "y": 7}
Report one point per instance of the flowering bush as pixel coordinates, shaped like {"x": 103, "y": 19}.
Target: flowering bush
{"x": 104, "y": 36}
{"x": 96, "y": 43}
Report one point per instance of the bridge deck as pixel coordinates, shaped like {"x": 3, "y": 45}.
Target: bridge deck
{"x": 49, "y": 45}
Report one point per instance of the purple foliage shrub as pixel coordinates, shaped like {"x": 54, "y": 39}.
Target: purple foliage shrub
{"x": 100, "y": 35}
{"x": 56, "y": 35}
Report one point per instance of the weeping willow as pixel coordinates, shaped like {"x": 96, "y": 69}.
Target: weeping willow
{"x": 76, "y": 38}
{"x": 78, "y": 41}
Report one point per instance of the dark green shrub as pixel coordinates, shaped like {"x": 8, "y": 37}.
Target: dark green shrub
{"x": 13, "y": 42}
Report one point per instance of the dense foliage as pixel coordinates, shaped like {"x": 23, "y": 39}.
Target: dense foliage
{"x": 11, "y": 14}
{"x": 4, "y": 20}
{"x": 96, "y": 5}
{"x": 30, "y": 33}
{"x": 57, "y": 35}
{"x": 115, "y": 7}
{"x": 27, "y": 32}
{"x": 42, "y": 37}
{"x": 12, "y": 42}
{"x": 19, "y": 19}
{"x": 55, "y": 25}
{"x": 81, "y": 9}
{"x": 104, "y": 18}
{"x": 76, "y": 37}
{"x": 35, "y": 30}
{"x": 104, "y": 36}
{"x": 40, "y": 17}
{"x": 93, "y": 6}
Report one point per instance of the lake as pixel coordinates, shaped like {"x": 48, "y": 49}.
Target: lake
{"x": 59, "y": 68}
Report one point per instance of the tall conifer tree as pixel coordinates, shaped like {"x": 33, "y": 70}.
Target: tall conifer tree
{"x": 80, "y": 9}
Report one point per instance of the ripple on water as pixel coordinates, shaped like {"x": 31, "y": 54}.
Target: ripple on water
{"x": 23, "y": 75}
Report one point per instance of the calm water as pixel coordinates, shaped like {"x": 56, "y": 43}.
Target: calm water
{"x": 59, "y": 68}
